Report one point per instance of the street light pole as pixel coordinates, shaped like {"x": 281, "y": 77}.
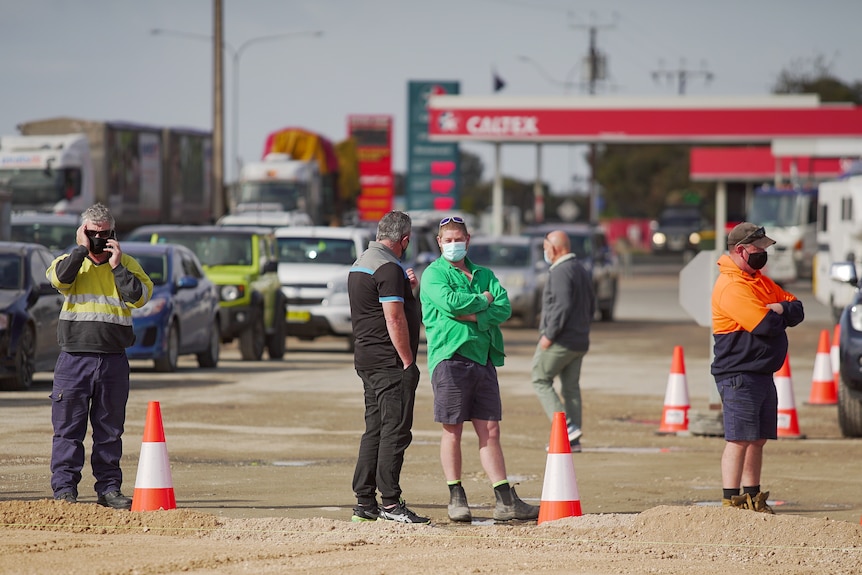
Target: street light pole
{"x": 236, "y": 54}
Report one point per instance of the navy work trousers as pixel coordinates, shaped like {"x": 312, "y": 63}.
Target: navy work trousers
{"x": 92, "y": 386}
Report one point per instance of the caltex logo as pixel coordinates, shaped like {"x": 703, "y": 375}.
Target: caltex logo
{"x": 447, "y": 122}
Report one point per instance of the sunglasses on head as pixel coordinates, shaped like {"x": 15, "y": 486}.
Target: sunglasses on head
{"x": 104, "y": 234}
{"x": 455, "y": 219}
{"x": 755, "y": 235}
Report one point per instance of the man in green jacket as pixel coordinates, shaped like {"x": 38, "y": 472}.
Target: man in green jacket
{"x": 463, "y": 306}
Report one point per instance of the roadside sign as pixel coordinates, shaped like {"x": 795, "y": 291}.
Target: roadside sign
{"x": 695, "y": 287}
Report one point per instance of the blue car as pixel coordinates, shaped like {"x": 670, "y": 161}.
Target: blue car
{"x": 29, "y": 314}
{"x": 182, "y": 317}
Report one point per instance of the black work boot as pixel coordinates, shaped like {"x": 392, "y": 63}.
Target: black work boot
{"x": 509, "y": 506}
{"x": 458, "y": 508}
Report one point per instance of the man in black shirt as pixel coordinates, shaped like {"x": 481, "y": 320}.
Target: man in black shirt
{"x": 385, "y": 318}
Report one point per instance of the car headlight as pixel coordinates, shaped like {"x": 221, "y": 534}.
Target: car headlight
{"x": 152, "y": 307}
{"x": 694, "y": 238}
{"x": 337, "y": 293}
{"x": 231, "y": 292}
{"x": 856, "y": 317}
{"x": 659, "y": 239}
{"x": 515, "y": 281}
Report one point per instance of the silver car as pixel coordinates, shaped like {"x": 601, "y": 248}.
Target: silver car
{"x": 519, "y": 264}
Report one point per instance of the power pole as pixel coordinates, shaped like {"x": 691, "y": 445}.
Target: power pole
{"x": 219, "y": 203}
{"x": 682, "y": 74}
{"x": 595, "y": 64}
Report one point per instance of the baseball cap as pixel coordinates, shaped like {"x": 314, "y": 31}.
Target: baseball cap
{"x": 748, "y": 233}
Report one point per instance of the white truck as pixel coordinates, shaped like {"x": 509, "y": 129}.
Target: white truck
{"x": 47, "y": 173}
{"x": 790, "y": 217}
{"x": 279, "y": 189}
{"x": 839, "y": 239}
{"x": 144, "y": 174}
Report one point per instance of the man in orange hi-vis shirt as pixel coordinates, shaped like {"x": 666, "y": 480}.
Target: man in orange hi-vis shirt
{"x": 750, "y": 316}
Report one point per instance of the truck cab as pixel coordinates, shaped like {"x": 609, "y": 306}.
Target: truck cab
{"x": 47, "y": 173}
{"x": 789, "y": 215}
{"x": 291, "y": 186}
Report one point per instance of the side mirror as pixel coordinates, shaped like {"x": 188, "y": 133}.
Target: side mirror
{"x": 270, "y": 267}
{"x": 187, "y": 282}
{"x": 844, "y": 272}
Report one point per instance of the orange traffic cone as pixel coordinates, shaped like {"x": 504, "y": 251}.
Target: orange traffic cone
{"x": 674, "y": 417}
{"x": 835, "y": 356}
{"x": 560, "y": 490}
{"x": 154, "y": 488}
{"x": 788, "y": 421}
{"x": 823, "y": 390}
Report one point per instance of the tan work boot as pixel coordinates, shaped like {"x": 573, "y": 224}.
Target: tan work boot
{"x": 738, "y": 501}
{"x": 758, "y": 503}
{"x": 509, "y": 506}
{"x": 458, "y": 508}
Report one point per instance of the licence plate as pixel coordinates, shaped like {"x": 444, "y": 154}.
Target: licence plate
{"x": 298, "y": 316}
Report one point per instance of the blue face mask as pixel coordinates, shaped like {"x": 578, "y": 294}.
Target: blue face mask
{"x": 455, "y": 251}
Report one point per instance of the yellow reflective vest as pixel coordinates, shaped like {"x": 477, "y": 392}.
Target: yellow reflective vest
{"x": 96, "y": 316}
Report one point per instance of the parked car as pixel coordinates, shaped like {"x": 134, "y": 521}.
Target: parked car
{"x": 519, "y": 264}
{"x": 183, "y": 314}
{"x": 590, "y": 246}
{"x": 313, "y": 263}
{"x": 54, "y": 231}
{"x": 241, "y": 261}
{"x": 29, "y": 314}
{"x": 849, "y": 353}
{"x": 678, "y": 229}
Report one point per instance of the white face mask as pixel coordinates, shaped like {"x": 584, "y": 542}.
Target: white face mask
{"x": 454, "y": 251}
{"x": 548, "y": 259}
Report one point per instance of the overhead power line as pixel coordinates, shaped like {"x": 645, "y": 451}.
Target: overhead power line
{"x": 682, "y": 75}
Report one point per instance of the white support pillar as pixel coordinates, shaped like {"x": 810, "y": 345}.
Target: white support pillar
{"x": 538, "y": 190}
{"x": 497, "y": 196}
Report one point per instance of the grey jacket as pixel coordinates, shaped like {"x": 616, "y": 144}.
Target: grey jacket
{"x": 568, "y": 304}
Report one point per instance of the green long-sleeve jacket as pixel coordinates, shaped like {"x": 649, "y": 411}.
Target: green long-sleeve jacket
{"x": 446, "y": 293}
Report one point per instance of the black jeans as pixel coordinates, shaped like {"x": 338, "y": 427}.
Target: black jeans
{"x": 389, "y": 397}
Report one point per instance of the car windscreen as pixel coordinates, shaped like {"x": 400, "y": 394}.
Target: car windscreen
{"x": 499, "y": 255}
{"x": 214, "y": 250}
{"x": 55, "y": 237}
{"x": 305, "y": 250}
{"x": 10, "y": 272}
{"x": 155, "y": 266}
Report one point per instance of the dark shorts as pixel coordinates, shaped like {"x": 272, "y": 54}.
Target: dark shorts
{"x": 750, "y": 404}
{"x": 465, "y": 390}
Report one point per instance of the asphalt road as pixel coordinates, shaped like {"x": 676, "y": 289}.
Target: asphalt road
{"x": 279, "y": 438}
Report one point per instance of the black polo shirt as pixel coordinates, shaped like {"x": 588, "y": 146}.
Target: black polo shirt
{"x": 377, "y": 277}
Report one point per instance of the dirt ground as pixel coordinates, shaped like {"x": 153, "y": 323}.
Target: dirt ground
{"x": 262, "y": 455}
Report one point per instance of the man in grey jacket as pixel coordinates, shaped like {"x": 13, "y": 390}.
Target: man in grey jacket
{"x": 568, "y": 306}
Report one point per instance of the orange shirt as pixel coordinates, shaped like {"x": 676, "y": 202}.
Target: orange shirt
{"x": 749, "y": 337}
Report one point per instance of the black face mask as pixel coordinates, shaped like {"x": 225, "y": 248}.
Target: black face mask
{"x": 98, "y": 245}
{"x": 756, "y": 260}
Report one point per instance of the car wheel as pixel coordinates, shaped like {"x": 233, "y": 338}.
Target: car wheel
{"x": 277, "y": 340}
{"x": 849, "y": 412}
{"x": 607, "y": 312}
{"x": 253, "y": 338}
{"x": 25, "y": 362}
{"x": 168, "y": 362}
{"x": 210, "y": 357}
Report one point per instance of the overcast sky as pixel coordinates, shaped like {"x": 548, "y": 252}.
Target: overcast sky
{"x": 97, "y": 59}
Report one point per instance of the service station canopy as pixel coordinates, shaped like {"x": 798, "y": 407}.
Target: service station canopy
{"x": 635, "y": 120}
{"x": 684, "y": 119}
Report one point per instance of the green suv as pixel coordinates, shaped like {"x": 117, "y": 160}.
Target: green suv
{"x": 242, "y": 262}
